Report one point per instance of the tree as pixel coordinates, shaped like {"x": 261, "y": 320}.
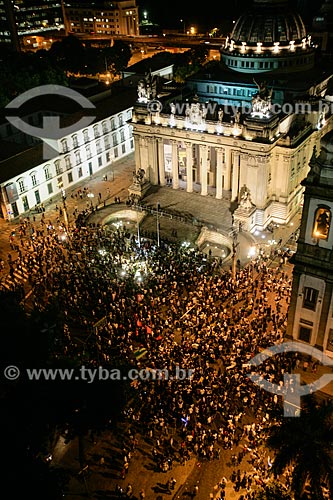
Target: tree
{"x": 69, "y": 54}
{"x": 189, "y": 62}
{"x": 272, "y": 491}
{"x": 305, "y": 444}
{"x": 24, "y": 71}
{"x": 117, "y": 57}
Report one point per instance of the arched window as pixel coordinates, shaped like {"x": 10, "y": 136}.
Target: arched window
{"x": 322, "y": 223}
{"x": 47, "y": 172}
{"x": 21, "y": 184}
{"x": 34, "y": 180}
{"x": 75, "y": 141}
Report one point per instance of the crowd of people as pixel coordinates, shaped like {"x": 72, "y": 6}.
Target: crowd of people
{"x": 186, "y": 310}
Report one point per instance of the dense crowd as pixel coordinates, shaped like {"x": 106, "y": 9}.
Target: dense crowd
{"x": 186, "y": 310}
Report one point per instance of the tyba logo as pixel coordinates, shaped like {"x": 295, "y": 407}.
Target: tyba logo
{"x": 51, "y": 131}
{"x": 291, "y": 390}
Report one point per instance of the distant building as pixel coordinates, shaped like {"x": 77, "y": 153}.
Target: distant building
{"x": 322, "y": 26}
{"x": 103, "y": 18}
{"x": 162, "y": 68}
{"x": 8, "y": 29}
{"x": 310, "y": 316}
{"x": 24, "y": 17}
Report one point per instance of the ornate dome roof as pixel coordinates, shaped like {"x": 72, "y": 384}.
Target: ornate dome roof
{"x": 269, "y": 22}
{"x": 270, "y": 36}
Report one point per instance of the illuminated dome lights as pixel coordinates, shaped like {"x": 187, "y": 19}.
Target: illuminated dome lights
{"x": 269, "y": 37}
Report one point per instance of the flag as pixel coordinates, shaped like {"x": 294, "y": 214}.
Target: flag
{"x": 139, "y": 353}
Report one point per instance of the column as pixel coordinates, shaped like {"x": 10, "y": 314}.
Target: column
{"x": 175, "y": 168}
{"x": 137, "y": 152}
{"x": 189, "y": 169}
{"x": 152, "y": 160}
{"x": 219, "y": 152}
{"x": 203, "y": 165}
{"x": 161, "y": 165}
{"x": 326, "y": 303}
{"x": 227, "y": 172}
{"x": 235, "y": 175}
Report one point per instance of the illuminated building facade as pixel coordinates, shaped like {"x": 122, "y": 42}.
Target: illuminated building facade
{"x": 112, "y": 18}
{"x": 26, "y": 179}
{"x": 247, "y": 131}
{"x": 8, "y": 29}
{"x": 28, "y": 17}
{"x": 310, "y": 317}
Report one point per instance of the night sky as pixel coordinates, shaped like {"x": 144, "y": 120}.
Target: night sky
{"x": 168, "y": 13}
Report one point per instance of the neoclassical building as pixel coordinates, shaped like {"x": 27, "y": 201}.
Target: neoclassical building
{"x": 244, "y": 130}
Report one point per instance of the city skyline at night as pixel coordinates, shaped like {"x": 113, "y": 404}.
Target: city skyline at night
{"x": 166, "y": 250}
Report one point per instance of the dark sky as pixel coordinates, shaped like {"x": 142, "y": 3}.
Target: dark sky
{"x": 211, "y": 13}
{"x": 169, "y": 12}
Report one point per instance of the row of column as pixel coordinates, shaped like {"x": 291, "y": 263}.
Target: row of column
{"x": 227, "y": 166}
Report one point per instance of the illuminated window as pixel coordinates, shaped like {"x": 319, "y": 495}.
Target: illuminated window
{"x": 322, "y": 222}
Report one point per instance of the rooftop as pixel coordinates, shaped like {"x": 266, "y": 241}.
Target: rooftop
{"x": 301, "y": 81}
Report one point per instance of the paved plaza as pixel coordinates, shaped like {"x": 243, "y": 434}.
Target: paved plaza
{"x": 206, "y": 212}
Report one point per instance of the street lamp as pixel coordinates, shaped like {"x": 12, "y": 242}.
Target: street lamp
{"x": 138, "y": 227}
{"x": 158, "y": 224}
{"x": 63, "y": 195}
{"x": 183, "y": 22}
{"x": 234, "y": 254}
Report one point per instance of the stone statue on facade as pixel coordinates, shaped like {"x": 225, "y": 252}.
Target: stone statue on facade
{"x": 147, "y": 88}
{"x": 138, "y": 177}
{"x": 262, "y": 100}
{"x": 245, "y": 198}
{"x": 237, "y": 116}
{"x": 220, "y": 114}
{"x": 196, "y": 113}
{"x": 142, "y": 92}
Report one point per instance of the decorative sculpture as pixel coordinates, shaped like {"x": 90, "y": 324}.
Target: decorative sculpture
{"x": 261, "y": 101}
{"x": 245, "y": 198}
{"x": 147, "y": 88}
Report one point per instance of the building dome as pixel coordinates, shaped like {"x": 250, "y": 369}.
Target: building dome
{"x": 269, "y": 22}
{"x": 273, "y": 35}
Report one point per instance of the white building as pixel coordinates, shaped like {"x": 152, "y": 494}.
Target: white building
{"x": 26, "y": 180}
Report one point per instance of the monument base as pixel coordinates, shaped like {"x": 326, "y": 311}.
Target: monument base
{"x": 245, "y": 218}
{"x": 138, "y": 191}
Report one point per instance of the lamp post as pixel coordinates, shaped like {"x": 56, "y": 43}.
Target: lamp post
{"x": 63, "y": 192}
{"x": 157, "y": 224}
{"x": 234, "y": 254}
{"x": 63, "y": 196}
{"x": 138, "y": 227}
